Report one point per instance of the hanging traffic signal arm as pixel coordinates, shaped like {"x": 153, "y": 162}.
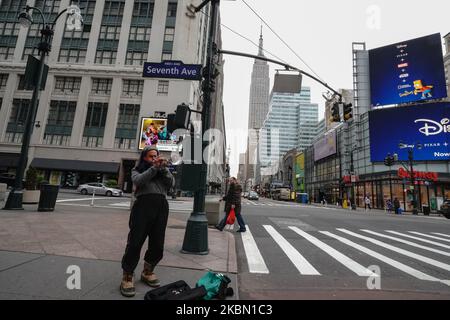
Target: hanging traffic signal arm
{"x": 285, "y": 65}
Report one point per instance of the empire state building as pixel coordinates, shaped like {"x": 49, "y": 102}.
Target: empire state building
{"x": 259, "y": 107}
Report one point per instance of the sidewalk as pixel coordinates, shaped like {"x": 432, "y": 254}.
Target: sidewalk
{"x": 36, "y": 249}
{"x": 362, "y": 210}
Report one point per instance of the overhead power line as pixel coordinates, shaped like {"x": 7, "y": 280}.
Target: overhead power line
{"x": 281, "y": 39}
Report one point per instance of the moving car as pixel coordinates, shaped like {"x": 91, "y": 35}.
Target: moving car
{"x": 99, "y": 188}
{"x": 253, "y": 196}
{"x": 445, "y": 209}
{"x": 245, "y": 195}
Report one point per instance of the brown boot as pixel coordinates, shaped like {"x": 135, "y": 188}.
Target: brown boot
{"x": 127, "y": 285}
{"x": 148, "y": 277}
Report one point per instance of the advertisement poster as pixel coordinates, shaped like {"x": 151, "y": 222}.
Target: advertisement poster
{"x": 153, "y": 132}
{"x": 325, "y": 147}
{"x": 407, "y": 72}
{"x": 300, "y": 173}
{"x": 427, "y": 124}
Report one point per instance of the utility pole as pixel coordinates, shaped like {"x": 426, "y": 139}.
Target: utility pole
{"x": 196, "y": 235}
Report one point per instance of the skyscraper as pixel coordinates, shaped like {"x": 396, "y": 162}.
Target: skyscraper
{"x": 259, "y": 106}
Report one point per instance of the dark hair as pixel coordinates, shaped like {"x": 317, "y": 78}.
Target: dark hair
{"x": 143, "y": 165}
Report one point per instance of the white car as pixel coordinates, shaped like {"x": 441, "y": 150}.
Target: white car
{"x": 100, "y": 189}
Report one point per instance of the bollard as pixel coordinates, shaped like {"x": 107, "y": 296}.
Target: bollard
{"x": 93, "y": 197}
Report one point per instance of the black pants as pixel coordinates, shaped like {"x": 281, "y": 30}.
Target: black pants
{"x": 148, "y": 218}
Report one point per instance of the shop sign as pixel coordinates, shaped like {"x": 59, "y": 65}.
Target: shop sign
{"x": 431, "y": 176}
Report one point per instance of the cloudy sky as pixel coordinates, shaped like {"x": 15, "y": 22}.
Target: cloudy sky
{"x": 321, "y": 32}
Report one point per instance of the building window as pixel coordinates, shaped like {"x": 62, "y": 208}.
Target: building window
{"x": 21, "y": 84}
{"x": 163, "y": 88}
{"x": 140, "y": 29}
{"x": 9, "y": 26}
{"x": 127, "y": 126}
{"x": 95, "y": 124}
{"x": 3, "y": 80}
{"x": 166, "y": 56}
{"x": 50, "y": 9}
{"x": 59, "y": 123}
{"x": 101, "y": 86}
{"x": 17, "y": 119}
{"x": 74, "y": 43}
{"x": 172, "y": 9}
{"x": 108, "y": 40}
{"x": 67, "y": 84}
{"x": 132, "y": 87}
{"x": 169, "y": 34}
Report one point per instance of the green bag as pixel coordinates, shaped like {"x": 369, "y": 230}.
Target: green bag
{"x": 212, "y": 282}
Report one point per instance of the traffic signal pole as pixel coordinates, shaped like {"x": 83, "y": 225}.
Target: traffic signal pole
{"x": 196, "y": 235}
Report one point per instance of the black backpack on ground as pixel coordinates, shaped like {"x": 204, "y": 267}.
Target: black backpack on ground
{"x": 178, "y": 290}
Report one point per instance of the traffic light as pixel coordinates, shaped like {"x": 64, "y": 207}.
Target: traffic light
{"x": 183, "y": 116}
{"x": 335, "y": 114}
{"x": 390, "y": 160}
{"x": 348, "y": 111}
{"x": 171, "y": 125}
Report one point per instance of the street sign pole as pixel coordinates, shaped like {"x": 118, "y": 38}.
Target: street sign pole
{"x": 196, "y": 235}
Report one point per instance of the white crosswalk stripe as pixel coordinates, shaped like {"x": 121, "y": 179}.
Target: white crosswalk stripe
{"x": 302, "y": 265}
{"x": 419, "y": 239}
{"x": 428, "y": 236}
{"x": 413, "y": 244}
{"x": 398, "y": 265}
{"x": 441, "y": 234}
{"x": 346, "y": 261}
{"x": 255, "y": 260}
{"x": 399, "y": 250}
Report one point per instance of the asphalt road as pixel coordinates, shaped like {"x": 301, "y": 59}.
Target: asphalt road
{"x": 295, "y": 251}
{"x": 299, "y": 252}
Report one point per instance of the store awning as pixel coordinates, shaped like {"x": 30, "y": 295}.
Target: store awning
{"x": 9, "y": 160}
{"x": 75, "y": 165}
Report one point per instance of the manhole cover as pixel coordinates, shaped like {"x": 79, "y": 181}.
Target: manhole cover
{"x": 285, "y": 223}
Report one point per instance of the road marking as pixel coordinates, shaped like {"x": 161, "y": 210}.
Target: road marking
{"x": 302, "y": 265}
{"x": 420, "y": 239}
{"x": 441, "y": 234}
{"x": 399, "y": 250}
{"x": 413, "y": 244}
{"x": 255, "y": 260}
{"x": 121, "y": 204}
{"x": 82, "y": 199}
{"x": 428, "y": 236}
{"x": 252, "y": 203}
{"x": 346, "y": 261}
{"x": 398, "y": 265}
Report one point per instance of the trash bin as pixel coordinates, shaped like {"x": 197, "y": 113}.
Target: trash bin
{"x": 426, "y": 210}
{"x": 213, "y": 209}
{"x": 47, "y": 200}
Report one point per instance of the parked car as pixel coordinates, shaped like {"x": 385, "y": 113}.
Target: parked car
{"x": 253, "y": 196}
{"x": 445, "y": 209}
{"x": 99, "y": 188}
{"x": 281, "y": 194}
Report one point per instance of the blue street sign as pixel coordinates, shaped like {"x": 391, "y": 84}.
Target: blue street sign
{"x": 172, "y": 70}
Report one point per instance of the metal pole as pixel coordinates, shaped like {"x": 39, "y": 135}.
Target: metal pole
{"x": 411, "y": 158}
{"x": 15, "y": 197}
{"x": 196, "y": 235}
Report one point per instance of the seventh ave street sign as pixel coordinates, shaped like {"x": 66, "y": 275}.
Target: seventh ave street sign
{"x": 172, "y": 70}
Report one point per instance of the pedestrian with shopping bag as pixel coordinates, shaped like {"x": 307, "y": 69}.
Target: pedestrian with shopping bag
{"x": 148, "y": 219}
{"x": 233, "y": 204}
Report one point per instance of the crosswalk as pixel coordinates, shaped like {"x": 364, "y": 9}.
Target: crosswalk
{"x": 270, "y": 203}
{"x": 408, "y": 252}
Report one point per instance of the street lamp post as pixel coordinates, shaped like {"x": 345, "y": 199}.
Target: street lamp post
{"x": 411, "y": 172}
{"x": 14, "y": 201}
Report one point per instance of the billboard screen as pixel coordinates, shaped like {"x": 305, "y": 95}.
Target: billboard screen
{"x": 325, "y": 147}
{"x": 427, "y": 124}
{"x": 153, "y": 131}
{"x": 406, "y": 72}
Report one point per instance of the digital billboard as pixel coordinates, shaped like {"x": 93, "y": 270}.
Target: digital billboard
{"x": 426, "y": 124}
{"x": 407, "y": 72}
{"x": 153, "y": 132}
{"x": 325, "y": 147}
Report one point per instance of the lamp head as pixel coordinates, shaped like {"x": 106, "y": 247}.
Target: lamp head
{"x": 25, "y": 18}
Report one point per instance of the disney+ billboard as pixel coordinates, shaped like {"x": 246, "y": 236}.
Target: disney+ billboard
{"x": 427, "y": 124}
{"x": 406, "y": 72}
